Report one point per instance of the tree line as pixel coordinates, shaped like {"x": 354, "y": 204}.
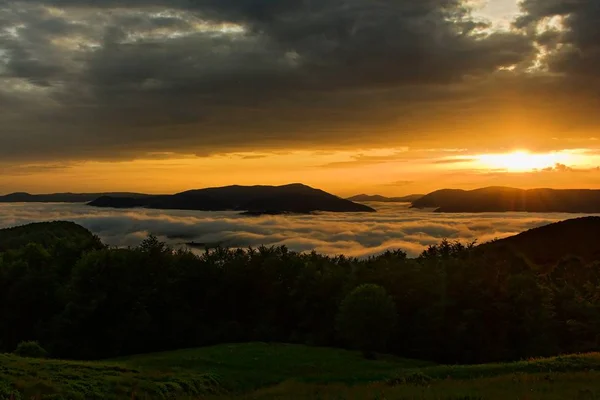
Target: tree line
{"x": 454, "y": 304}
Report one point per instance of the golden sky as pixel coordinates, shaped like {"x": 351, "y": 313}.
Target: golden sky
{"x": 392, "y": 97}
{"x": 386, "y": 171}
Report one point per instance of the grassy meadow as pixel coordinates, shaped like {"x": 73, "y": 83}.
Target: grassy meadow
{"x": 28, "y": 378}
{"x": 278, "y": 371}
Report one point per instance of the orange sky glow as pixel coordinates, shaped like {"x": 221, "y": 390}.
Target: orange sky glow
{"x": 396, "y": 171}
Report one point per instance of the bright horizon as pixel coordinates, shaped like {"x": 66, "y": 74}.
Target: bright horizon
{"x": 337, "y": 172}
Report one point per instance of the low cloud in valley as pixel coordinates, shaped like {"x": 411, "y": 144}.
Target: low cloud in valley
{"x": 395, "y": 226}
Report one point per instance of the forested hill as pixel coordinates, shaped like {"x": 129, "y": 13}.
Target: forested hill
{"x": 503, "y": 199}
{"x": 294, "y": 198}
{"x": 60, "y": 286}
{"x": 546, "y": 245}
{"x": 47, "y": 235}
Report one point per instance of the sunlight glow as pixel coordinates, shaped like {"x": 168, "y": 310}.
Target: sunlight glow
{"x": 521, "y": 161}
{"x": 499, "y": 12}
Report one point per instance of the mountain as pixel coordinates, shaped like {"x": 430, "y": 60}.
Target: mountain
{"x": 294, "y": 198}
{"x": 45, "y": 234}
{"x": 500, "y": 199}
{"x": 382, "y": 199}
{"x": 22, "y": 197}
{"x": 117, "y": 202}
{"x": 548, "y": 244}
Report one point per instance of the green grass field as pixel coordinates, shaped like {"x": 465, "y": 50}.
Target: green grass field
{"x": 27, "y": 378}
{"x": 276, "y": 371}
{"x": 243, "y": 367}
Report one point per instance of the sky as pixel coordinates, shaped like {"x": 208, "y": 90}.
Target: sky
{"x": 351, "y": 96}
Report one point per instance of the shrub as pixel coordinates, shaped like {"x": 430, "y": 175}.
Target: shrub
{"x": 416, "y": 378}
{"x": 7, "y": 392}
{"x": 367, "y": 318}
{"x": 31, "y": 349}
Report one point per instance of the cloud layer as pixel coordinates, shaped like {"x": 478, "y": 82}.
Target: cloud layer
{"x": 393, "y": 227}
{"x": 118, "y": 79}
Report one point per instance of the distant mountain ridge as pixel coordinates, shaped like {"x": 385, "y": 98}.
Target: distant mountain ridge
{"x": 503, "y": 199}
{"x": 257, "y": 200}
{"x": 383, "y": 199}
{"x": 298, "y": 198}
{"x": 22, "y": 197}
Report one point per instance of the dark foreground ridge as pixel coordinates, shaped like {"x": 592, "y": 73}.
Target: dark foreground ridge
{"x": 66, "y": 295}
{"x": 548, "y": 244}
{"x": 253, "y": 200}
{"x": 382, "y": 199}
{"x": 503, "y": 199}
{"x": 453, "y": 304}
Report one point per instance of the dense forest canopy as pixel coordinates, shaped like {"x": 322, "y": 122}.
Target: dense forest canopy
{"x": 60, "y": 286}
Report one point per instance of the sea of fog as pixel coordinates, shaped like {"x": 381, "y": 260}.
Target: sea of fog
{"x": 394, "y": 226}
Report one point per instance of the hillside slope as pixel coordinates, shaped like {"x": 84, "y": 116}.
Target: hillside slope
{"x": 501, "y": 199}
{"x": 29, "y": 378}
{"x": 266, "y": 371}
{"x": 550, "y": 243}
{"x": 45, "y": 234}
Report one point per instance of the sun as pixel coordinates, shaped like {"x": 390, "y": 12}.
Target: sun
{"x": 521, "y": 160}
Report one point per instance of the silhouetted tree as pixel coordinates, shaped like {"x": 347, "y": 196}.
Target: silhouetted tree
{"x": 367, "y": 318}
{"x": 31, "y": 349}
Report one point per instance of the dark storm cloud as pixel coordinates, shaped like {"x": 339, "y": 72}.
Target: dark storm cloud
{"x": 27, "y": 45}
{"x": 118, "y": 79}
{"x": 576, "y": 49}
